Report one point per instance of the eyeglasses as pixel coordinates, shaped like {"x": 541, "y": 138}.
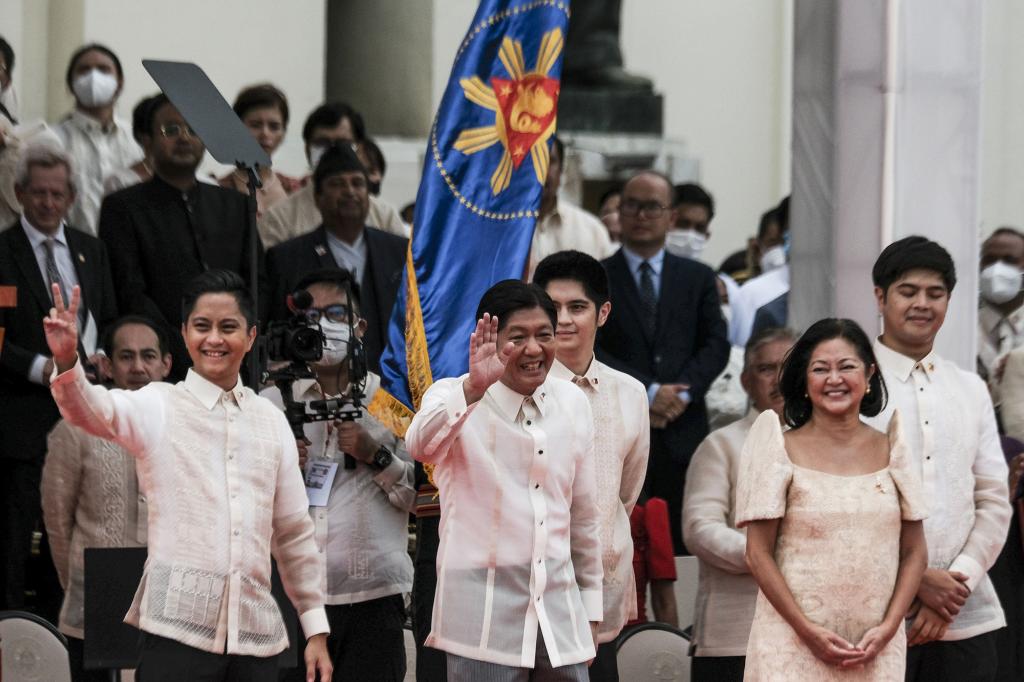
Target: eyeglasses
{"x": 175, "y": 130}
{"x": 337, "y": 312}
{"x": 651, "y": 209}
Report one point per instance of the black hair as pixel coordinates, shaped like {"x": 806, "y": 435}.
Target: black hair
{"x": 258, "y": 97}
{"x": 782, "y": 212}
{"x": 8, "y": 52}
{"x": 111, "y": 332}
{"x": 512, "y": 295}
{"x": 148, "y": 113}
{"x": 376, "y": 156}
{"x": 579, "y": 267}
{"x": 140, "y": 117}
{"x": 558, "y": 146}
{"x": 912, "y": 253}
{"x": 692, "y": 193}
{"x": 91, "y": 47}
{"x": 1006, "y": 231}
{"x": 767, "y": 218}
{"x": 329, "y": 115}
{"x": 793, "y": 380}
{"x": 218, "y": 282}
{"x": 608, "y": 194}
{"x": 339, "y": 158}
{"x": 733, "y": 263}
{"x": 339, "y": 278}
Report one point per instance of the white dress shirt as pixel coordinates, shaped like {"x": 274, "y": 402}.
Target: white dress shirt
{"x": 96, "y": 153}
{"x": 622, "y": 442}
{"x": 91, "y": 498}
{"x": 352, "y": 256}
{"x": 754, "y": 293}
{"x": 1012, "y": 391}
{"x": 520, "y": 535}
{"x": 950, "y": 428}
{"x": 221, "y": 473}
{"x": 363, "y": 532}
{"x": 298, "y": 214}
{"x": 66, "y": 268}
{"x": 726, "y": 593}
{"x": 569, "y": 227}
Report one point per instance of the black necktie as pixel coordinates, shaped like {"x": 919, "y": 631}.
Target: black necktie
{"x": 648, "y": 299}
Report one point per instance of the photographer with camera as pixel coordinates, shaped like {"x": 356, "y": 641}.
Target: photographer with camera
{"x": 362, "y": 523}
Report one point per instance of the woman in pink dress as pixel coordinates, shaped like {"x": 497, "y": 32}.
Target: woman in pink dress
{"x": 833, "y": 513}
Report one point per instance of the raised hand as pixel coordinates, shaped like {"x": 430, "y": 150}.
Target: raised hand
{"x": 61, "y": 328}
{"x": 486, "y": 362}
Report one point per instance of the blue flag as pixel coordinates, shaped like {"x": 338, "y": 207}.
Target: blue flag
{"x": 486, "y": 161}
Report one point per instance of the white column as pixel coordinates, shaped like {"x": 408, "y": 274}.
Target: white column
{"x": 886, "y": 132}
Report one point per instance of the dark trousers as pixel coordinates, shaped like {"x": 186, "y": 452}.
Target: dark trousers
{"x": 20, "y": 512}
{"x": 1008, "y": 578}
{"x": 605, "y": 668}
{"x": 969, "y": 660}
{"x": 76, "y": 657}
{"x": 367, "y": 641}
{"x": 666, "y": 478}
{"x": 431, "y": 664}
{"x": 717, "y": 668}
{"x": 165, "y": 660}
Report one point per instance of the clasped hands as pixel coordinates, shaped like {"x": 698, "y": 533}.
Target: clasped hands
{"x": 667, "y": 406}
{"x": 939, "y": 599}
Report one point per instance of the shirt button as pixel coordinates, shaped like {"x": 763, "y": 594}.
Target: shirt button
{"x": 541, "y": 523}
{"x": 926, "y": 422}
{"x": 231, "y": 456}
{"x": 236, "y": 533}
{"x": 536, "y": 485}
{"x": 538, "y": 597}
{"x": 528, "y": 422}
{"x": 540, "y": 452}
{"x": 538, "y": 561}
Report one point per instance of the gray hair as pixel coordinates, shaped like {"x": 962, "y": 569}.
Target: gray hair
{"x": 763, "y": 338}
{"x": 44, "y": 155}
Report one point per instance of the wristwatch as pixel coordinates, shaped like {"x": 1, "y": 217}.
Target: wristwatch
{"x": 381, "y": 459}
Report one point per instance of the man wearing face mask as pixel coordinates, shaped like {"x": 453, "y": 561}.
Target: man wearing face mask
{"x": 1001, "y": 313}
{"x": 330, "y": 124}
{"x": 361, "y": 530}
{"x": 99, "y": 142}
{"x": 694, "y": 210}
{"x": 763, "y": 301}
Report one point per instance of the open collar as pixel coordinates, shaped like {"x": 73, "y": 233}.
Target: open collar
{"x": 510, "y": 402}
{"x": 209, "y": 393}
{"x": 902, "y": 366}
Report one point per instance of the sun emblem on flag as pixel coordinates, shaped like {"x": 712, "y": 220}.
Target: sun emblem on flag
{"x": 523, "y": 106}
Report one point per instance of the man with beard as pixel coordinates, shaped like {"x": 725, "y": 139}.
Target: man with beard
{"x": 162, "y": 233}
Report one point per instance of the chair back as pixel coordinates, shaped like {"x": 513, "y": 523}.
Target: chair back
{"x": 653, "y": 652}
{"x": 31, "y": 649}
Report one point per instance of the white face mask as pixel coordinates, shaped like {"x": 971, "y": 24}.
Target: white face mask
{"x": 727, "y": 314}
{"x": 1000, "y": 282}
{"x": 337, "y": 336}
{"x": 95, "y": 88}
{"x": 685, "y": 243}
{"x": 773, "y": 259}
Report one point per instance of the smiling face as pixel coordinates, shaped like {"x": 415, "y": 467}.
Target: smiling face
{"x": 913, "y": 309}
{"x": 578, "y": 319}
{"x": 530, "y": 331}
{"x": 837, "y": 378}
{"x": 46, "y": 197}
{"x": 217, "y": 337}
{"x": 344, "y": 198}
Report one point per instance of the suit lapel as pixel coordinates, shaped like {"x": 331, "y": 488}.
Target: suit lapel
{"x": 83, "y": 269}
{"x": 21, "y": 249}
{"x": 618, "y": 270}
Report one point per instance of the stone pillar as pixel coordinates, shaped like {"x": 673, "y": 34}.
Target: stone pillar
{"x": 886, "y": 144}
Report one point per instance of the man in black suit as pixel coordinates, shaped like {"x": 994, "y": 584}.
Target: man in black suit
{"x": 38, "y": 250}
{"x": 162, "y": 233}
{"x": 343, "y": 240}
{"x": 665, "y": 329}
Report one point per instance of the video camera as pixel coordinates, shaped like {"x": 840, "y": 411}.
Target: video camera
{"x": 298, "y": 343}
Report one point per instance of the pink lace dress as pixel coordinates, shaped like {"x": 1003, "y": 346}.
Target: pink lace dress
{"x": 837, "y": 547}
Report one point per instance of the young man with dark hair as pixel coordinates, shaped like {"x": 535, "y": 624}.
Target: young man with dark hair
{"x": 330, "y": 124}
{"x": 694, "y": 209}
{"x": 519, "y": 566}
{"x": 362, "y": 524}
{"x": 578, "y": 286}
{"x": 219, "y": 467}
{"x": 90, "y": 489}
{"x": 950, "y": 427}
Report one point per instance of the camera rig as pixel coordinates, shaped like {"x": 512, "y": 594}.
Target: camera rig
{"x": 300, "y": 345}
